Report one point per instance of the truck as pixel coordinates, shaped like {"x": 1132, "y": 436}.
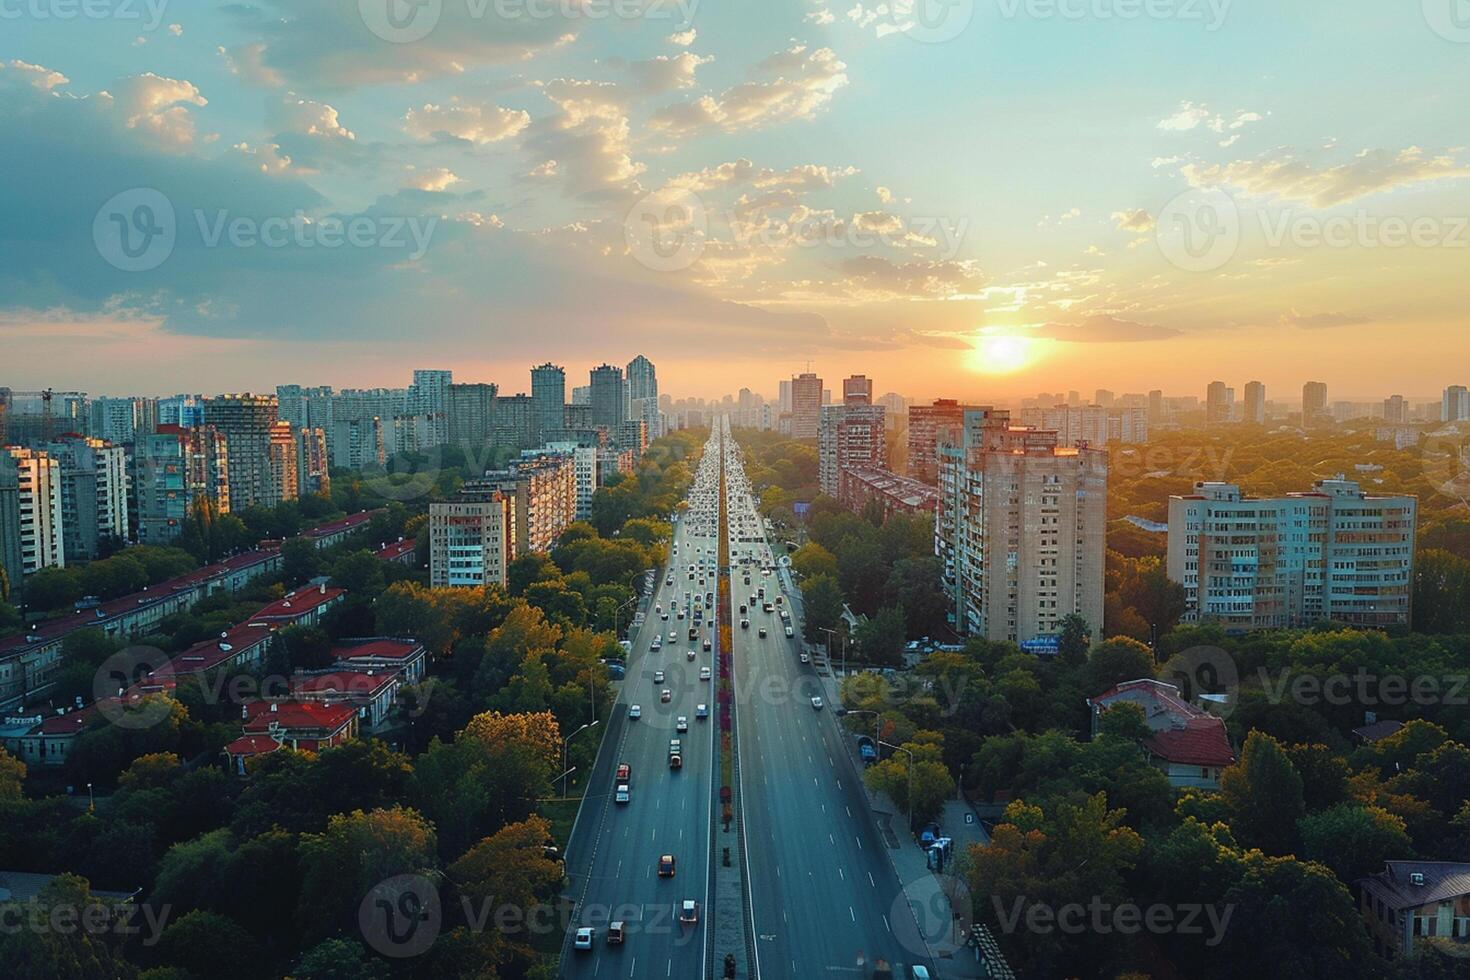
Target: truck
{"x": 676, "y": 754}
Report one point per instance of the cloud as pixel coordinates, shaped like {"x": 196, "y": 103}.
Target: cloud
{"x": 682, "y": 38}
{"x": 589, "y": 138}
{"x": 666, "y": 73}
{"x": 1136, "y": 220}
{"x": 876, "y": 277}
{"x": 34, "y": 75}
{"x": 1283, "y": 176}
{"x": 1105, "y": 329}
{"x": 432, "y": 179}
{"x": 158, "y": 107}
{"x": 466, "y": 122}
{"x": 1191, "y": 116}
{"x": 792, "y": 84}
{"x": 1186, "y": 117}
{"x": 1321, "y": 321}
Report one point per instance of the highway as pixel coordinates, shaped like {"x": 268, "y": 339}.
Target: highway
{"x": 826, "y": 900}
{"x": 613, "y": 856}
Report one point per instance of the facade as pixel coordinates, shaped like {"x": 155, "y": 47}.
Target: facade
{"x": 1020, "y": 530}
{"x": 857, "y": 488}
{"x": 1190, "y": 745}
{"x": 176, "y": 467}
{"x": 116, "y": 420}
{"x": 1217, "y": 403}
{"x": 516, "y": 420}
{"x": 94, "y": 494}
{"x": 585, "y": 459}
{"x": 246, "y": 422}
{"x": 1090, "y": 425}
{"x": 1411, "y": 904}
{"x": 472, "y": 415}
{"x": 1455, "y": 404}
{"x": 1255, "y": 403}
{"x": 544, "y": 484}
{"x": 606, "y": 382}
{"x": 926, "y": 423}
{"x": 1332, "y": 554}
{"x": 852, "y": 436}
{"x": 548, "y": 395}
{"x": 806, "y": 406}
{"x": 313, "y": 463}
{"x": 38, "y": 501}
{"x": 428, "y": 397}
{"x": 358, "y": 443}
{"x": 642, "y": 385}
{"x": 1314, "y": 403}
{"x": 472, "y": 537}
{"x": 284, "y": 467}
{"x": 10, "y": 562}
{"x": 857, "y": 390}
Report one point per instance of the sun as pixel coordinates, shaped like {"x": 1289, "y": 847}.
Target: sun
{"x": 1003, "y": 353}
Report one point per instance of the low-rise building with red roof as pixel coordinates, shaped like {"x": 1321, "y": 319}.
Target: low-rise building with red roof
{"x": 1190, "y": 745}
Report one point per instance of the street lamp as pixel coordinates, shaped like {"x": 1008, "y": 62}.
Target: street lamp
{"x": 910, "y": 754}
{"x": 831, "y": 633}
{"x": 564, "y": 743}
{"x": 877, "y": 719}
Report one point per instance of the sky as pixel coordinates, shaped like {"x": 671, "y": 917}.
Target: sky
{"x": 960, "y": 198}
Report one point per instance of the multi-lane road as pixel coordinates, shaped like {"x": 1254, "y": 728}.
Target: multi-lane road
{"x": 823, "y": 898}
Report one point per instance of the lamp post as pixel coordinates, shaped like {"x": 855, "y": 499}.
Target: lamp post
{"x": 564, "y": 743}
{"x": 910, "y": 754}
{"x": 877, "y": 719}
{"x": 831, "y": 633}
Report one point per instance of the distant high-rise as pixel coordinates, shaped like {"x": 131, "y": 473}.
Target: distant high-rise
{"x": 852, "y": 436}
{"x": 642, "y": 389}
{"x": 607, "y": 396}
{"x": 38, "y": 482}
{"x": 1255, "y": 403}
{"x": 1217, "y": 403}
{"x": 472, "y": 415}
{"x": 94, "y": 494}
{"x": 1314, "y": 402}
{"x": 857, "y": 390}
{"x": 783, "y": 398}
{"x": 1395, "y": 409}
{"x": 10, "y": 561}
{"x": 1155, "y": 406}
{"x": 246, "y": 422}
{"x": 927, "y": 425}
{"x": 428, "y": 397}
{"x": 1455, "y": 404}
{"x": 285, "y": 470}
{"x": 1103, "y": 397}
{"x": 312, "y": 463}
{"x": 806, "y": 406}
{"x": 548, "y": 397}
{"x": 178, "y": 467}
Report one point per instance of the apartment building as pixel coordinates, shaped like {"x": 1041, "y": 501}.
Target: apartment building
{"x": 472, "y": 537}
{"x": 852, "y": 436}
{"x": 246, "y": 422}
{"x": 313, "y": 463}
{"x": 1334, "y": 553}
{"x": 10, "y": 562}
{"x": 806, "y": 406}
{"x": 1090, "y": 425}
{"x": 176, "y": 467}
{"x": 285, "y": 467}
{"x": 38, "y": 502}
{"x": 858, "y": 488}
{"x": 1020, "y": 529}
{"x": 94, "y": 494}
{"x": 544, "y": 484}
{"x": 472, "y": 415}
{"x": 926, "y": 424}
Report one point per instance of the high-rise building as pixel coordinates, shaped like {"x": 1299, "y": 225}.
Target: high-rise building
{"x": 806, "y": 406}
{"x": 1155, "y": 406}
{"x": 428, "y": 397}
{"x": 1314, "y": 403}
{"x": 544, "y": 485}
{"x": 10, "y": 561}
{"x": 1020, "y": 530}
{"x": 1089, "y": 425}
{"x": 472, "y": 415}
{"x": 1455, "y": 404}
{"x": 115, "y": 419}
{"x": 246, "y": 421}
{"x": 585, "y": 458}
{"x": 642, "y": 388}
{"x": 1255, "y": 403}
{"x": 927, "y": 423}
{"x": 1395, "y": 409}
{"x": 548, "y": 398}
{"x": 183, "y": 410}
{"x": 1334, "y": 554}
{"x": 313, "y": 463}
{"x": 94, "y": 494}
{"x": 285, "y": 467}
{"x": 607, "y": 396}
{"x": 1103, "y": 397}
{"x": 852, "y": 437}
{"x": 582, "y": 395}
{"x": 783, "y": 398}
{"x": 472, "y": 538}
{"x": 176, "y": 468}
{"x": 857, "y": 390}
{"x": 38, "y": 489}
{"x": 516, "y": 421}
{"x": 358, "y": 443}
{"x": 1217, "y": 403}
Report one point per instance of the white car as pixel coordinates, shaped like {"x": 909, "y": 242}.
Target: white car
{"x": 584, "y": 939}
{"x": 623, "y": 794}
{"x": 682, "y": 725}
{"x": 704, "y": 673}
{"x": 790, "y": 631}
{"x": 658, "y": 677}
{"x": 817, "y": 703}
{"x": 634, "y": 712}
{"x": 805, "y": 659}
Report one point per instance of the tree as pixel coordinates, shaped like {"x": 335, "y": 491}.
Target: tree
{"x": 12, "y": 777}
{"x": 1352, "y": 840}
{"x": 207, "y": 944}
{"x": 1125, "y": 720}
{"x": 1075, "y": 638}
{"x": 539, "y": 730}
{"x": 1117, "y": 660}
{"x": 1264, "y": 795}
{"x": 509, "y": 869}
{"x": 339, "y": 959}
{"x": 915, "y": 587}
{"x": 52, "y": 588}
{"x": 530, "y": 568}
{"x": 42, "y": 954}
{"x": 300, "y": 560}
{"x": 360, "y": 572}
{"x": 356, "y": 852}
{"x": 822, "y": 604}
{"x": 881, "y": 637}
{"x": 811, "y": 560}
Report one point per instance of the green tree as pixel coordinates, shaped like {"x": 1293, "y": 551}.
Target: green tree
{"x": 1263, "y": 792}
{"x": 1117, "y": 660}
{"x": 811, "y": 560}
{"x": 339, "y": 959}
{"x": 1352, "y": 840}
{"x": 881, "y": 637}
{"x": 355, "y": 853}
{"x": 207, "y": 944}
{"x": 1075, "y": 639}
{"x": 822, "y": 604}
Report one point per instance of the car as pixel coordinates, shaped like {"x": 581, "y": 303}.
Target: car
{"x": 666, "y": 695}
{"x": 623, "y": 795}
{"x": 634, "y": 712}
{"x": 817, "y": 703}
{"x": 584, "y": 938}
{"x": 706, "y": 646}
{"x": 666, "y": 865}
{"x": 763, "y": 632}
{"x": 921, "y": 973}
{"x": 682, "y": 725}
{"x": 615, "y": 933}
{"x": 778, "y": 600}
{"x": 704, "y": 673}
{"x": 689, "y": 654}
{"x": 745, "y": 624}
{"x": 679, "y": 614}
{"x": 742, "y": 609}
{"x": 790, "y": 631}
{"x": 673, "y": 637}
{"x": 656, "y": 645}
{"x": 625, "y": 772}
{"x": 805, "y": 659}
{"x": 701, "y": 711}
{"x": 689, "y": 912}
{"x": 693, "y": 633}
{"x": 658, "y": 677}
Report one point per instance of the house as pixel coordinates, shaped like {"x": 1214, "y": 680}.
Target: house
{"x": 400, "y": 552}
{"x": 406, "y": 656}
{"x": 302, "y": 726}
{"x": 1373, "y": 731}
{"x": 304, "y": 607}
{"x": 372, "y": 692}
{"x": 1410, "y": 903}
{"x": 1188, "y": 744}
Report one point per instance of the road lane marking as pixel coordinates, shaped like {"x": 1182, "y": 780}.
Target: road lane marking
{"x": 871, "y": 881}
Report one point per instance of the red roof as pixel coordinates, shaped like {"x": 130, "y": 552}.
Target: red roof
{"x": 357, "y": 683}
{"x": 297, "y": 715}
{"x": 397, "y": 549}
{"x": 379, "y": 650}
{"x": 345, "y": 524}
{"x": 247, "y": 745}
{"x": 1202, "y": 742}
{"x": 295, "y": 605}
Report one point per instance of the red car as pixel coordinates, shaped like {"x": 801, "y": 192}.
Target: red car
{"x": 625, "y": 772}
